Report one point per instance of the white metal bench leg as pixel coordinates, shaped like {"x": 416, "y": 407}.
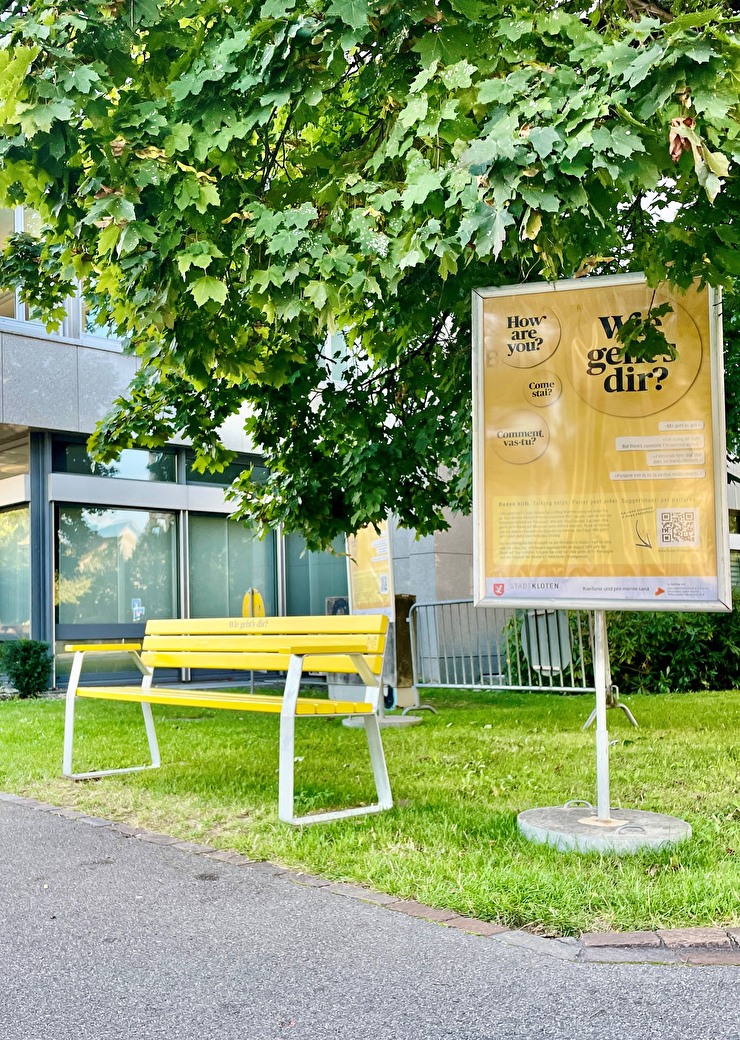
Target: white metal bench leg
{"x": 287, "y": 739}
{"x": 69, "y": 724}
{"x": 377, "y": 758}
{"x": 287, "y": 759}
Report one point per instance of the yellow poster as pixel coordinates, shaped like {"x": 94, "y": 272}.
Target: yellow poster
{"x": 599, "y": 480}
{"x": 369, "y": 571}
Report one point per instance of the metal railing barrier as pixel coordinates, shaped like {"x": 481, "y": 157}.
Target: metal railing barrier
{"x": 456, "y": 645}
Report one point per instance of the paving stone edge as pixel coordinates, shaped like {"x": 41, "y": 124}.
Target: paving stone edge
{"x": 699, "y": 947}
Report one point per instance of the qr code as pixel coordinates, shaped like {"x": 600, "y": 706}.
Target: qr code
{"x": 678, "y": 527}
{"x": 383, "y": 584}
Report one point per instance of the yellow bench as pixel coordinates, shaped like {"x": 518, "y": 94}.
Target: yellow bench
{"x": 318, "y": 644}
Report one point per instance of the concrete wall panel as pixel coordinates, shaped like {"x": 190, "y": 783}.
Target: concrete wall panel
{"x": 454, "y": 574}
{"x": 102, "y": 376}
{"x": 39, "y": 383}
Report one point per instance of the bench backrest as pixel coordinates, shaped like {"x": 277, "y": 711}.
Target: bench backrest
{"x": 264, "y": 643}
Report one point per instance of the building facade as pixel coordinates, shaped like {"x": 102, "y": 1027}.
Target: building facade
{"x": 91, "y": 552}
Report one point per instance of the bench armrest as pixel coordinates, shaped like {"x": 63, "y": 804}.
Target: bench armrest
{"x": 80, "y": 650}
{"x": 101, "y": 648}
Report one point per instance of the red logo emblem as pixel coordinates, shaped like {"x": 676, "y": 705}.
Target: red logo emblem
{"x": 660, "y": 591}
{"x": 499, "y": 589}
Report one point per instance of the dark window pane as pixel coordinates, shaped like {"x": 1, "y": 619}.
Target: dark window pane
{"x": 134, "y": 464}
{"x": 227, "y": 476}
{"x": 311, "y": 577}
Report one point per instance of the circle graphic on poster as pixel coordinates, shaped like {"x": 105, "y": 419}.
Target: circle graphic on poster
{"x": 621, "y": 385}
{"x": 523, "y": 338}
{"x": 543, "y": 389}
{"x": 518, "y": 436}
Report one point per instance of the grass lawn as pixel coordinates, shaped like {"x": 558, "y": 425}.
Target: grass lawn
{"x": 459, "y": 780}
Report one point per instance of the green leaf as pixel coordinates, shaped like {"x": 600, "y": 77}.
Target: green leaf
{"x": 315, "y": 293}
{"x": 532, "y": 225}
{"x": 458, "y": 75}
{"x": 208, "y": 196}
{"x": 421, "y": 183}
{"x": 352, "y": 12}
{"x": 693, "y": 20}
{"x": 276, "y": 8}
{"x": 82, "y": 79}
{"x": 178, "y": 138}
{"x": 108, "y": 239}
{"x": 14, "y": 65}
{"x": 41, "y": 117}
{"x": 186, "y": 192}
{"x": 129, "y": 240}
{"x": 414, "y": 112}
{"x": 447, "y": 265}
{"x": 208, "y": 288}
{"x": 197, "y": 254}
{"x": 543, "y": 139}
{"x": 472, "y": 9}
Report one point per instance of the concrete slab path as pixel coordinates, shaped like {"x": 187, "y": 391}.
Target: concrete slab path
{"x": 103, "y": 937}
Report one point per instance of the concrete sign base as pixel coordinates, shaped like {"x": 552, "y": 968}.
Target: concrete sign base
{"x": 577, "y": 828}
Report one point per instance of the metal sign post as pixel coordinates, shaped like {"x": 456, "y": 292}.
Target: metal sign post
{"x": 602, "y": 734}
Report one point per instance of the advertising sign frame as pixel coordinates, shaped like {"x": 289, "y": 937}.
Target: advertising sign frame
{"x": 723, "y": 602}
{"x": 369, "y": 535}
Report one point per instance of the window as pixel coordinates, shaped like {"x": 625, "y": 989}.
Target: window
{"x": 93, "y": 325}
{"x": 226, "y": 559}
{"x": 311, "y": 578}
{"x": 13, "y": 220}
{"x": 134, "y": 464}
{"x": 115, "y": 566}
{"x": 81, "y": 322}
{"x": 15, "y": 453}
{"x": 15, "y": 574}
{"x": 7, "y": 298}
{"x": 227, "y": 476}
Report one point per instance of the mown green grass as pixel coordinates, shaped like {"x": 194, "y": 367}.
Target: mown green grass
{"x": 459, "y": 780}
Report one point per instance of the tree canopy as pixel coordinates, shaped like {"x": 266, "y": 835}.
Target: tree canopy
{"x": 235, "y": 184}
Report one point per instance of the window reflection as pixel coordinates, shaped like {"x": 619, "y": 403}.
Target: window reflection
{"x": 227, "y": 476}
{"x": 133, "y": 464}
{"x": 311, "y": 577}
{"x": 15, "y": 456}
{"x": 15, "y": 574}
{"x": 93, "y": 323}
{"x": 115, "y": 566}
{"x": 226, "y": 559}
{"x": 7, "y": 298}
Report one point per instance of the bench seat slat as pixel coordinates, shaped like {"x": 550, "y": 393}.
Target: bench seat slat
{"x": 220, "y": 699}
{"x": 259, "y": 662}
{"x": 102, "y": 648}
{"x": 368, "y": 624}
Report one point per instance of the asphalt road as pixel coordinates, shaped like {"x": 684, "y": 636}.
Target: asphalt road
{"x": 108, "y": 938}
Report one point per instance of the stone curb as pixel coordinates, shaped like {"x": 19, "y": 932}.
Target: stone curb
{"x": 699, "y": 947}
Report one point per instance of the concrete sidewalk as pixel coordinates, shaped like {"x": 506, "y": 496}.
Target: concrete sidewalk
{"x": 107, "y": 937}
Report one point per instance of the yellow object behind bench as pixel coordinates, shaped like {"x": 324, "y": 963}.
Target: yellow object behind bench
{"x": 253, "y": 605}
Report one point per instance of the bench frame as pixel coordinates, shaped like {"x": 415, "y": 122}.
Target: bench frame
{"x": 286, "y": 777}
